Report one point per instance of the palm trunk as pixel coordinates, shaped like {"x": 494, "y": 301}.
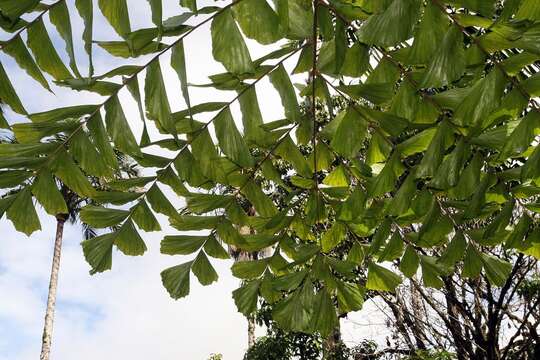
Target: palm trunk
{"x": 53, "y": 284}
{"x": 251, "y": 331}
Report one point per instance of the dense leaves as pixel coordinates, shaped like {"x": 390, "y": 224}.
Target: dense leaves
{"x": 430, "y": 162}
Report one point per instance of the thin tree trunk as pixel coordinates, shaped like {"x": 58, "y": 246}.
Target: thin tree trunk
{"x": 251, "y": 331}
{"x": 53, "y": 284}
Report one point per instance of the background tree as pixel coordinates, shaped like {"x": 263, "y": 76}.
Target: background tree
{"x": 433, "y": 165}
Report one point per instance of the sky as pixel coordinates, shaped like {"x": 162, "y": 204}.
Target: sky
{"x": 126, "y": 313}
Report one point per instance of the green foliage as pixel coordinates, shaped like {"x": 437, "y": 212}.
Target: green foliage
{"x": 435, "y": 149}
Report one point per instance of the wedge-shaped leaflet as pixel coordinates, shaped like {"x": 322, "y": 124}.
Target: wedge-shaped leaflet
{"x": 66, "y": 170}
{"x": 409, "y": 262}
{"x": 128, "y": 240}
{"x": 46, "y": 55}
{"x": 472, "y": 263}
{"x": 182, "y": 244}
{"x": 144, "y": 217}
{"x": 230, "y": 140}
{"x": 429, "y": 36}
{"x": 116, "y": 13}
{"x": 448, "y": 63}
{"x": 334, "y": 236}
{"x": 203, "y": 270}
{"x": 46, "y": 192}
{"x": 249, "y": 269}
{"x": 8, "y": 94}
{"x": 156, "y": 100}
{"x": 380, "y": 278}
{"x": 394, "y": 25}
{"x": 349, "y": 134}
{"x": 101, "y": 217}
{"x": 497, "y": 270}
{"x": 290, "y": 153}
{"x": 86, "y": 154}
{"x": 350, "y": 297}
{"x": 296, "y": 310}
{"x": 59, "y": 16}
{"x": 393, "y": 249}
{"x": 22, "y": 213}
{"x": 283, "y": 85}
{"x": 203, "y": 203}
{"x": 14, "y": 9}
{"x": 258, "y": 21}
{"x": 86, "y": 11}
{"x": 178, "y": 63}
{"x": 246, "y": 296}
{"x": 454, "y": 251}
{"x": 98, "y": 252}
{"x": 17, "y": 49}
{"x": 386, "y": 179}
{"x": 434, "y": 153}
{"x": 485, "y": 96}
{"x": 252, "y": 117}
{"x": 101, "y": 140}
{"x": 228, "y": 46}
{"x": 118, "y": 128}
{"x": 176, "y": 280}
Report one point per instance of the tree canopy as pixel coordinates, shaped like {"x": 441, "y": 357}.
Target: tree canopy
{"x": 432, "y": 163}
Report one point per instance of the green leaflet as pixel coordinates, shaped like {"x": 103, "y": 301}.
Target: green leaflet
{"x": 429, "y": 35}
{"x": 392, "y": 26}
{"x": 203, "y": 270}
{"x": 393, "y": 249}
{"x": 12, "y": 178}
{"x": 190, "y": 4}
{"x": 44, "y": 52}
{"x": 101, "y": 217}
{"x": 350, "y": 298}
{"x": 178, "y": 63}
{"x": 380, "y": 278}
{"x": 182, "y": 244}
{"x": 249, "y": 269}
{"x": 14, "y": 9}
{"x": 522, "y": 136}
{"x": 497, "y": 270}
{"x": 23, "y": 214}
{"x": 46, "y": 192}
{"x": 283, "y": 85}
{"x": 434, "y": 153}
{"x": 213, "y": 248}
{"x": 386, "y": 179}
{"x": 157, "y": 13}
{"x": 116, "y": 13}
{"x": 156, "y": 100}
{"x": 296, "y": 16}
{"x": 349, "y": 134}
{"x": 8, "y": 94}
{"x": 472, "y": 264}
{"x": 118, "y": 128}
{"x": 296, "y": 310}
{"x": 144, "y": 217}
{"x": 66, "y": 170}
{"x": 258, "y": 21}
{"x": 85, "y": 9}
{"x": 228, "y": 46}
{"x": 63, "y": 113}
{"x": 176, "y": 280}
{"x": 101, "y": 140}
{"x": 246, "y": 296}
{"x": 17, "y": 50}
{"x": 252, "y": 117}
{"x": 409, "y": 262}
{"x": 59, "y": 16}
{"x": 230, "y": 139}
{"x": 98, "y": 252}
{"x": 159, "y": 202}
{"x": 485, "y": 96}
{"x": 289, "y": 152}
{"x": 128, "y": 240}
{"x": 448, "y": 64}
{"x": 529, "y": 9}
{"x": 454, "y": 251}
{"x": 86, "y": 154}
{"x": 333, "y": 237}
